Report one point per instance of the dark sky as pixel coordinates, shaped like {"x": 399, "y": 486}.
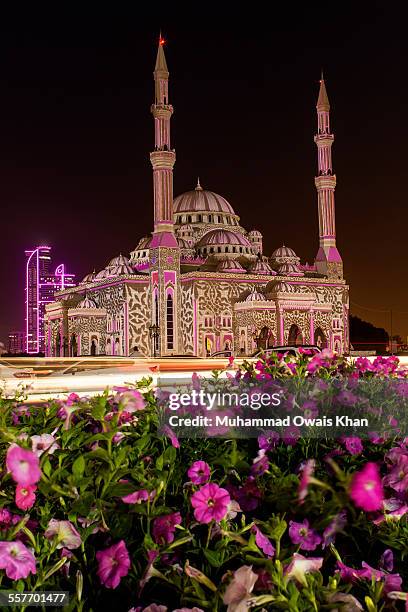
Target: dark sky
{"x": 76, "y": 131}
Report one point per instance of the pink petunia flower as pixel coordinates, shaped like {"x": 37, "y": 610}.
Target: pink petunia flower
{"x": 25, "y": 496}
{"x": 199, "y": 472}
{"x": 42, "y": 443}
{"x": 239, "y": 590}
{"x": 268, "y": 440}
{"x": 300, "y": 566}
{"x": 169, "y": 433}
{"x": 66, "y": 534}
{"x": 397, "y": 478}
{"x": 305, "y": 479}
{"x": 260, "y": 464}
{"x": 17, "y": 560}
{"x": 366, "y": 489}
{"x": 263, "y": 542}
{"x": 137, "y": 497}
{"x": 113, "y": 564}
{"x": 164, "y": 528}
{"x": 210, "y": 503}
{"x": 353, "y": 444}
{"x": 394, "y": 509}
{"x": 302, "y": 534}
{"x": 23, "y": 465}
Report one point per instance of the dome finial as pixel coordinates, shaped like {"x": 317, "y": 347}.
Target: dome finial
{"x": 198, "y": 187}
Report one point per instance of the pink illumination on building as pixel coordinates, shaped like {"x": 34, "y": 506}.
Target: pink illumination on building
{"x": 41, "y": 285}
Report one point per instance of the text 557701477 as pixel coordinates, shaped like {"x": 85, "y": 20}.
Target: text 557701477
{"x": 34, "y": 598}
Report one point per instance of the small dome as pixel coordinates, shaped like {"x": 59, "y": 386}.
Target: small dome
{"x": 278, "y": 287}
{"x": 120, "y": 269}
{"x": 102, "y": 274}
{"x": 201, "y": 200}
{"x": 87, "y": 303}
{"x": 289, "y": 269}
{"x": 283, "y": 251}
{"x": 231, "y": 265}
{"x": 88, "y": 278}
{"x": 255, "y": 296}
{"x": 120, "y": 260}
{"x": 221, "y": 236}
{"x": 262, "y": 267}
{"x": 254, "y": 234}
{"x": 143, "y": 243}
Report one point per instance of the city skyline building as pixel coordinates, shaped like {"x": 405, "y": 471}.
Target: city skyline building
{"x": 16, "y": 343}
{"x": 41, "y": 285}
{"x": 201, "y": 282}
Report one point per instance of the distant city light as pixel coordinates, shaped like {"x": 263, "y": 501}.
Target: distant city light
{"x": 41, "y": 285}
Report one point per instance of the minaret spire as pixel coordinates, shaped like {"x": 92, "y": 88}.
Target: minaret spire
{"x": 328, "y": 260}
{"x": 163, "y": 157}
{"x": 164, "y": 250}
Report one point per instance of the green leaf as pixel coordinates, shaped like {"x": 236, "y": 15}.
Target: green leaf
{"x": 83, "y": 504}
{"x": 213, "y": 557}
{"x": 78, "y": 467}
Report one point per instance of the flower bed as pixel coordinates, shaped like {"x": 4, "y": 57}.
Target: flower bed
{"x": 96, "y": 502}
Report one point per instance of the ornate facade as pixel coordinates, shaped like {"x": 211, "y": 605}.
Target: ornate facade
{"x": 201, "y": 282}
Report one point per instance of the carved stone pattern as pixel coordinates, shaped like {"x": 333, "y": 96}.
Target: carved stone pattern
{"x": 84, "y": 327}
{"x": 301, "y": 318}
{"x": 187, "y": 316}
{"x": 138, "y": 298}
{"x": 324, "y": 321}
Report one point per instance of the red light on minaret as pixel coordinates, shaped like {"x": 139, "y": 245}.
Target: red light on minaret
{"x": 161, "y": 41}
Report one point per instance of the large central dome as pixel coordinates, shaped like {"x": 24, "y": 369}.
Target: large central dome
{"x": 201, "y": 200}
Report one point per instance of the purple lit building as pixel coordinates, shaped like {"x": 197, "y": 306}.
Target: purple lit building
{"x": 201, "y": 282}
{"x": 41, "y": 285}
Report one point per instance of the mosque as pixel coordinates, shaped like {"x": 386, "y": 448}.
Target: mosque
{"x": 201, "y": 283}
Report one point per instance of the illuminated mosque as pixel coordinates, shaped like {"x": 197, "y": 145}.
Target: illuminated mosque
{"x": 201, "y": 283}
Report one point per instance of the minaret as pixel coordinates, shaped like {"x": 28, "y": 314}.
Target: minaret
{"x": 164, "y": 252}
{"x": 328, "y": 260}
{"x": 163, "y": 157}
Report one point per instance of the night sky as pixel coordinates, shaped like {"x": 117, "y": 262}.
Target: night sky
{"x": 75, "y": 132}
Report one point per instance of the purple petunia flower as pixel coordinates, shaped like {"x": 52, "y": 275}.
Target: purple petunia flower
{"x": 164, "y": 528}
{"x": 337, "y": 524}
{"x": 302, "y": 534}
{"x": 263, "y": 542}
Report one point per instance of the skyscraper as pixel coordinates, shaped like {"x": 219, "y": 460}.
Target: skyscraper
{"x": 41, "y": 284}
{"x": 16, "y": 342}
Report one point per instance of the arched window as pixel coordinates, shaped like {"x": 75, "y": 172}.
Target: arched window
{"x": 320, "y": 338}
{"x": 295, "y": 335}
{"x": 265, "y": 338}
{"x": 170, "y": 321}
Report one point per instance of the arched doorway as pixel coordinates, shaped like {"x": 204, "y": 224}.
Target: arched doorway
{"x": 94, "y": 346}
{"x": 58, "y": 345}
{"x": 242, "y": 342}
{"x": 295, "y": 336}
{"x": 265, "y": 338}
{"x": 73, "y": 346}
{"x": 320, "y": 338}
